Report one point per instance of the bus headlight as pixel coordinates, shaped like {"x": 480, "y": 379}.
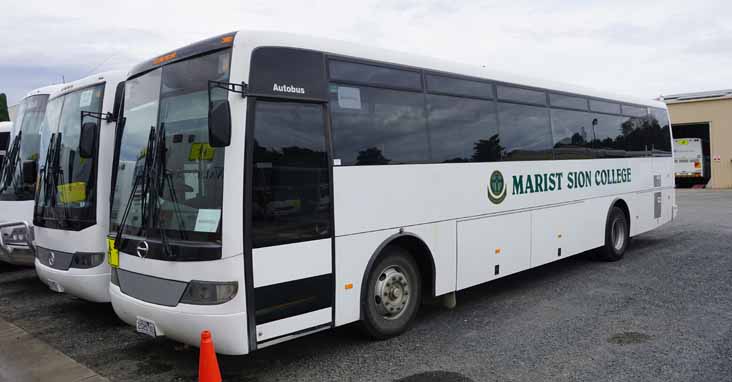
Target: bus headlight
{"x": 86, "y": 260}
{"x": 209, "y": 292}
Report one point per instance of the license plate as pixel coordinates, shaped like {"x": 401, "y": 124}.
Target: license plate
{"x": 54, "y": 286}
{"x": 146, "y": 327}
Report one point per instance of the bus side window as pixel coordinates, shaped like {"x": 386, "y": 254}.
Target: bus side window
{"x": 462, "y": 129}
{"x": 525, "y": 132}
{"x": 374, "y": 126}
{"x": 573, "y": 135}
{"x": 609, "y": 137}
{"x": 291, "y": 180}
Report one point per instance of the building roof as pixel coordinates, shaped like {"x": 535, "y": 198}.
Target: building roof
{"x": 697, "y": 96}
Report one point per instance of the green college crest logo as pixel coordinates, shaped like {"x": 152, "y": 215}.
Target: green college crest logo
{"x": 497, "y": 188}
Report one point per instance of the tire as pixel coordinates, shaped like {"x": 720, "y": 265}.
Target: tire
{"x": 392, "y": 294}
{"x": 617, "y": 236}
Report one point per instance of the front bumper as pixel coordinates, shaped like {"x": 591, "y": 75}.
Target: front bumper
{"x": 228, "y": 330}
{"x": 17, "y": 251}
{"x": 88, "y": 284}
{"x": 17, "y": 255}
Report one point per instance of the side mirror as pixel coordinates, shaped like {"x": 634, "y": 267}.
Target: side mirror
{"x": 30, "y": 172}
{"x": 219, "y": 123}
{"x": 87, "y": 139}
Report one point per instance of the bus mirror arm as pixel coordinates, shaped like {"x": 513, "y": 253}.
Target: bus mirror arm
{"x": 219, "y": 113}
{"x": 241, "y": 88}
{"x": 106, "y": 117}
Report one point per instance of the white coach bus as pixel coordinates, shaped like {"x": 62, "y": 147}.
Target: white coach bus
{"x": 18, "y": 176}
{"x": 284, "y": 185}
{"x": 71, "y": 215}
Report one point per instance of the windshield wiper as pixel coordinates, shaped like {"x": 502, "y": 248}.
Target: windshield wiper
{"x": 57, "y": 171}
{"x": 157, "y": 191}
{"x": 10, "y": 163}
{"x": 140, "y": 179}
{"x": 49, "y": 174}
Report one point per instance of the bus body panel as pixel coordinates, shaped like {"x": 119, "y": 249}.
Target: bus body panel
{"x": 304, "y": 259}
{"x": 93, "y": 238}
{"x": 526, "y": 230}
{"x": 228, "y": 329}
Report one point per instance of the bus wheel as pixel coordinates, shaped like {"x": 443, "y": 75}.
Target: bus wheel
{"x": 617, "y": 236}
{"x": 393, "y": 296}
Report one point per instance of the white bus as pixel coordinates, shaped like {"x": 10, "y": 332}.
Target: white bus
{"x": 71, "y": 214}
{"x": 288, "y": 184}
{"x": 688, "y": 158}
{"x": 18, "y": 176}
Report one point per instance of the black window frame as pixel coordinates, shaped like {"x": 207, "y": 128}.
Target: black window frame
{"x": 496, "y": 99}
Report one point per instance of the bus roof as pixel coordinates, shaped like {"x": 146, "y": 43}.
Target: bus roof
{"x": 50, "y": 89}
{"x": 90, "y": 80}
{"x": 344, "y": 48}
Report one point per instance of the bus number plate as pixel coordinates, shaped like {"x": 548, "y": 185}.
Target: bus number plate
{"x": 146, "y": 327}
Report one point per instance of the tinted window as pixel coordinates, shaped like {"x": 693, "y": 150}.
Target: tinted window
{"x": 510, "y": 93}
{"x": 375, "y": 75}
{"x": 378, "y": 126}
{"x": 561, "y": 100}
{"x": 634, "y": 111}
{"x": 462, "y": 129}
{"x": 609, "y": 137}
{"x": 604, "y": 107}
{"x": 573, "y": 134}
{"x": 525, "y": 133}
{"x": 456, "y": 86}
{"x": 291, "y": 183}
{"x": 661, "y": 128}
{"x": 637, "y": 136}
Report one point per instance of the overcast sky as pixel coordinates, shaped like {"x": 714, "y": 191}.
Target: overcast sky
{"x": 637, "y": 47}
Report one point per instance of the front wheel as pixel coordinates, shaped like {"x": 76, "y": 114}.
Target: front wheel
{"x": 617, "y": 236}
{"x": 393, "y": 294}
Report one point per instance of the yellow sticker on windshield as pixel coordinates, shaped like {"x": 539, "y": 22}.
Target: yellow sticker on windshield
{"x": 112, "y": 253}
{"x": 72, "y": 192}
{"x": 201, "y": 151}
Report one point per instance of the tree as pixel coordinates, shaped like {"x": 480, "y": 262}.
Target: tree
{"x": 4, "y": 115}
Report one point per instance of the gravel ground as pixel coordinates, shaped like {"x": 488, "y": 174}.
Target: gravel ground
{"x": 664, "y": 313}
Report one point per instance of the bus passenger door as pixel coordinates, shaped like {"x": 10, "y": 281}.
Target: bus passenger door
{"x": 290, "y": 221}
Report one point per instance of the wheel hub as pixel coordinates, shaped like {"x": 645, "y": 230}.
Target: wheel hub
{"x": 618, "y": 234}
{"x": 391, "y": 293}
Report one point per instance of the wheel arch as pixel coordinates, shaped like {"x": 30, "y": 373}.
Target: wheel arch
{"x": 623, "y": 205}
{"x": 417, "y": 248}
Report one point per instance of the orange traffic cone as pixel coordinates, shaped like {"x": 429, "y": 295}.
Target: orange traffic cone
{"x": 208, "y": 366}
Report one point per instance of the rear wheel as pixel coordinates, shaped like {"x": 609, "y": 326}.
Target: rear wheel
{"x": 617, "y": 236}
{"x": 393, "y": 294}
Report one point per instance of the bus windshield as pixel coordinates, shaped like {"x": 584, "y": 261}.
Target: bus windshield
{"x": 171, "y": 102}
{"x": 68, "y": 181}
{"x": 26, "y": 148}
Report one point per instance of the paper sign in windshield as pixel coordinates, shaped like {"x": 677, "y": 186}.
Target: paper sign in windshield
{"x": 349, "y": 98}
{"x": 207, "y": 220}
{"x": 86, "y": 98}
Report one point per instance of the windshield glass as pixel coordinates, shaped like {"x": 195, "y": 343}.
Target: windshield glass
{"x": 28, "y": 123}
{"x": 69, "y": 181}
{"x": 172, "y": 101}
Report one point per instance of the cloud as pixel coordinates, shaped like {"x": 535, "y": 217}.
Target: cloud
{"x": 624, "y": 46}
